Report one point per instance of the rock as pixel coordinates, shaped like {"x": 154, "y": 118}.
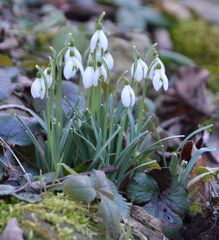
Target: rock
{"x": 207, "y": 9}
{"x": 12, "y": 231}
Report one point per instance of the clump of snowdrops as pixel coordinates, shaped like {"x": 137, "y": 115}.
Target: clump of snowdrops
{"x": 106, "y": 133}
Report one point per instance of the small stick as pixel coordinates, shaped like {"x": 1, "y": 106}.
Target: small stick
{"x": 22, "y": 168}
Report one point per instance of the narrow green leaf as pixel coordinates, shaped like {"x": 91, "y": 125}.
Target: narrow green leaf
{"x": 192, "y": 162}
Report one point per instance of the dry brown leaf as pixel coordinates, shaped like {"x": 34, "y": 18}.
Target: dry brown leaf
{"x": 187, "y": 103}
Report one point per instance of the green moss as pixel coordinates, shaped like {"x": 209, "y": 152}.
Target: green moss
{"x": 199, "y": 41}
{"x": 54, "y": 218}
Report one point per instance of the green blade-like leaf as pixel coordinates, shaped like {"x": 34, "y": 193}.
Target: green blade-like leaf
{"x": 104, "y": 147}
{"x": 193, "y": 134}
{"x": 192, "y": 162}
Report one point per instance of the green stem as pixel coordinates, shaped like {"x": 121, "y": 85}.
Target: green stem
{"x": 111, "y": 122}
{"x": 161, "y": 144}
{"x": 120, "y": 136}
{"x": 106, "y": 112}
{"x": 58, "y": 127}
{"x": 141, "y": 109}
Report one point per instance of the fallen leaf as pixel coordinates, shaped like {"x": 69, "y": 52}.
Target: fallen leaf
{"x": 6, "y": 190}
{"x": 186, "y": 105}
{"x": 162, "y": 177}
{"x": 13, "y": 132}
{"x": 6, "y": 75}
{"x": 28, "y": 197}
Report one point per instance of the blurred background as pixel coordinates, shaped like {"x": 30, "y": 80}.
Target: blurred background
{"x": 187, "y": 33}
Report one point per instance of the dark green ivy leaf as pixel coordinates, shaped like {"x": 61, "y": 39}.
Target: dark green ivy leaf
{"x": 142, "y": 188}
{"x": 13, "y": 132}
{"x": 120, "y": 201}
{"x": 176, "y": 198}
{"x": 80, "y": 188}
{"x": 110, "y": 215}
{"x": 101, "y": 184}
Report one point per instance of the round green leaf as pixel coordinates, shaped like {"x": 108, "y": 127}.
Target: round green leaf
{"x": 80, "y": 188}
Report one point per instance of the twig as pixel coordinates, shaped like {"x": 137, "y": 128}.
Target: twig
{"x": 22, "y": 168}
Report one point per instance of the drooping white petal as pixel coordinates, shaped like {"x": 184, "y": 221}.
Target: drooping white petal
{"x": 68, "y": 56}
{"x": 165, "y": 81}
{"x": 138, "y": 75}
{"x": 151, "y": 73}
{"x": 161, "y": 64}
{"x": 48, "y": 77}
{"x": 77, "y": 54}
{"x": 103, "y": 42}
{"x": 128, "y": 96}
{"x": 69, "y": 69}
{"x": 96, "y": 77}
{"x": 87, "y": 78}
{"x": 140, "y": 71}
{"x": 98, "y": 40}
{"x": 103, "y": 72}
{"x": 93, "y": 41}
{"x": 154, "y": 66}
{"x": 78, "y": 65}
{"x": 109, "y": 60}
{"x": 98, "y": 54}
{"x": 132, "y": 69}
{"x": 157, "y": 83}
{"x": 144, "y": 67}
{"x": 38, "y": 88}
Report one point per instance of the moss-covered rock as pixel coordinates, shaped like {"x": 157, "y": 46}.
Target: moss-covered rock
{"x": 199, "y": 40}
{"x": 54, "y": 218}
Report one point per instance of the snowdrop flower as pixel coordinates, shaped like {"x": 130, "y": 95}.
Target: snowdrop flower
{"x": 160, "y": 79}
{"x": 48, "y": 76}
{"x": 99, "y": 39}
{"x": 140, "y": 71}
{"x": 107, "y": 57}
{"x": 101, "y": 73}
{"x": 38, "y": 88}
{"x": 71, "y": 67}
{"x": 72, "y": 51}
{"x": 90, "y": 77}
{"x": 154, "y": 66}
{"x": 128, "y": 96}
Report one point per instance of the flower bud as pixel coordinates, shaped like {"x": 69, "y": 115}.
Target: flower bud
{"x": 128, "y": 96}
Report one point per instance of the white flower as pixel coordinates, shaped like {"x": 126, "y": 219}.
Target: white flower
{"x": 98, "y": 40}
{"x": 90, "y": 77}
{"x": 107, "y": 57}
{"x": 71, "y": 67}
{"x": 141, "y": 70}
{"x": 87, "y": 78}
{"x": 101, "y": 73}
{"x": 128, "y": 96}
{"x": 154, "y": 66}
{"x": 160, "y": 79}
{"x": 38, "y": 88}
{"x": 48, "y": 75}
{"x": 75, "y": 52}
